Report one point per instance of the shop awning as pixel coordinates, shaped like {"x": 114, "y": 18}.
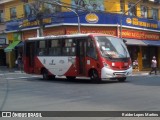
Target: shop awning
{"x": 11, "y": 46}
{"x": 135, "y": 42}
{"x": 152, "y": 42}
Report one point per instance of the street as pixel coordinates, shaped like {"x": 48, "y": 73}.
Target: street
{"x": 23, "y": 92}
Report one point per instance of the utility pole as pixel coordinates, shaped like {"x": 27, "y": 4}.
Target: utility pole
{"x": 124, "y": 14}
{"x": 41, "y": 26}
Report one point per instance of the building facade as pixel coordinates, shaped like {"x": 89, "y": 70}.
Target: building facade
{"x": 139, "y": 25}
{"x": 3, "y": 41}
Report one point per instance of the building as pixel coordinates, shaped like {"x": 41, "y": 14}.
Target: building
{"x": 3, "y": 41}
{"x": 139, "y": 25}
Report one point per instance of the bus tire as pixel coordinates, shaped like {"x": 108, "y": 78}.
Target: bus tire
{"x": 45, "y": 74}
{"x": 52, "y": 77}
{"x": 122, "y": 79}
{"x": 94, "y": 76}
{"x": 70, "y": 77}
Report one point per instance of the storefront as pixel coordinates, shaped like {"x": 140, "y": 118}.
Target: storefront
{"x": 142, "y": 35}
{"x": 143, "y": 46}
{"x": 2, "y": 53}
{"x": 11, "y": 50}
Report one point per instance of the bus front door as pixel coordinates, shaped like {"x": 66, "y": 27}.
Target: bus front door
{"x": 81, "y": 55}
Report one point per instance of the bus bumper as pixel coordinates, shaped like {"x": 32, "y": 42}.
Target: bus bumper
{"x": 109, "y": 73}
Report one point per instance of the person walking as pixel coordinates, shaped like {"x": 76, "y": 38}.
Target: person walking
{"x": 153, "y": 65}
{"x": 20, "y": 62}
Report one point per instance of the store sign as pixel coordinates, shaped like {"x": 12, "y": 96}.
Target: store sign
{"x": 93, "y": 30}
{"x": 138, "y": 22}
{"x": 27, "y": 23}
{"x": 140, "y": 35}
{"x": 54, "y": 32}
{"x": 2, "y": 41}
{"x": 91, "y": 18}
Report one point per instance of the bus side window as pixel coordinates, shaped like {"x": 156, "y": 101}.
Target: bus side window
{"x": 55, "y": 47}
{"x": 42, "y": 50}
{"x": 69, "y": 47}
{"x": 91, "y": 49}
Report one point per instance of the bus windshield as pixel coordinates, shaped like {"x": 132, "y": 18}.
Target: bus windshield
{"x": 112, "y": 47}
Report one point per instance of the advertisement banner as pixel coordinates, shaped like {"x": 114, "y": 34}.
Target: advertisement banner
{"x": 105, "y": 19}
{"x": 92, "y": 5}
{"x": 142, "y": 35}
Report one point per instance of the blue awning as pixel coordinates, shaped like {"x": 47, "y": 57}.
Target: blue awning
{"x": 135, "y": 42}
{"x": 21, "y": 44}
{"x": 152, "y": 42}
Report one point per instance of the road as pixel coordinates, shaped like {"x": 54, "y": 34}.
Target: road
{"x": 23, "y": 92}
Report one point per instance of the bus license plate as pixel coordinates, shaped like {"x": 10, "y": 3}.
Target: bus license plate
{"x": 120, "y": 76}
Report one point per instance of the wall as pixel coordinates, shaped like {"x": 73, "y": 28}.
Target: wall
{"x": 112, "y": 6}
{"x": 19, "y": 9}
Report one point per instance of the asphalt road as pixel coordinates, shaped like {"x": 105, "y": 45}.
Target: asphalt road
{"x": 22, "y": 92}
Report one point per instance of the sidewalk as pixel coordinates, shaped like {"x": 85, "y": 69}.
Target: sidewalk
{"x": 6, "y": 69}
{"x": 144, "y": 73}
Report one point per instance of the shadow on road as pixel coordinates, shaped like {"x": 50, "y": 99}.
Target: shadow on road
{"x": 75, "y": 81}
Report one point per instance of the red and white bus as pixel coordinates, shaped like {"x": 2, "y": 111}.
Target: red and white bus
{"x": 98, "y": 56}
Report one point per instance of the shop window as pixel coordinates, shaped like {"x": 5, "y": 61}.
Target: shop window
{"x": 51, "y": 8}
{"x": 154, "y": 14}
{"x": 132, "y": 11}
{"x": 1, "y": 16}
{"x": 144, "y": 11}
{"x": 133, "y": 51}
{"x": 13, "y": 13}
{"x": 147, "y": 54}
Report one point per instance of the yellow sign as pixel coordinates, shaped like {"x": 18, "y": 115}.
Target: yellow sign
{"x": 26, "y": 23}
{"x": 92, "y": 18}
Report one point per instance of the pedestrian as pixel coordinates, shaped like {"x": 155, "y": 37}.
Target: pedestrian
{"x": 153, "y": 65}
{"x": 135, "y": 65}
{"x": 20, "y": 62}
{"x": 16, "y": 63}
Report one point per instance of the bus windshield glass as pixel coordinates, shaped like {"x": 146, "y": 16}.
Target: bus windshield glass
{"x": 112, "y": 47}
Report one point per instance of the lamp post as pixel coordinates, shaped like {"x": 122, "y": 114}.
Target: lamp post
{"x": 79, "y": 30}
{"x": 124, "y": 14}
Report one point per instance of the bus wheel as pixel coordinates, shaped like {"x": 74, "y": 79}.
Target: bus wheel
{"x": 94, "y": 76}
{"x": 45, "y": 74}
{"x": 121, "y": 79}
{"x": 70, "y": 77}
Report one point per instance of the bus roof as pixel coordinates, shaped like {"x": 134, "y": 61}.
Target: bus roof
{"x": 68, "y": 36}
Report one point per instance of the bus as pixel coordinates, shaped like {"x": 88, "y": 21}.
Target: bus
{"x": 92, "y": 55}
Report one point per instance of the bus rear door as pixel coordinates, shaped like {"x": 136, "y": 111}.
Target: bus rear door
{"x": 81, "y": 57}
